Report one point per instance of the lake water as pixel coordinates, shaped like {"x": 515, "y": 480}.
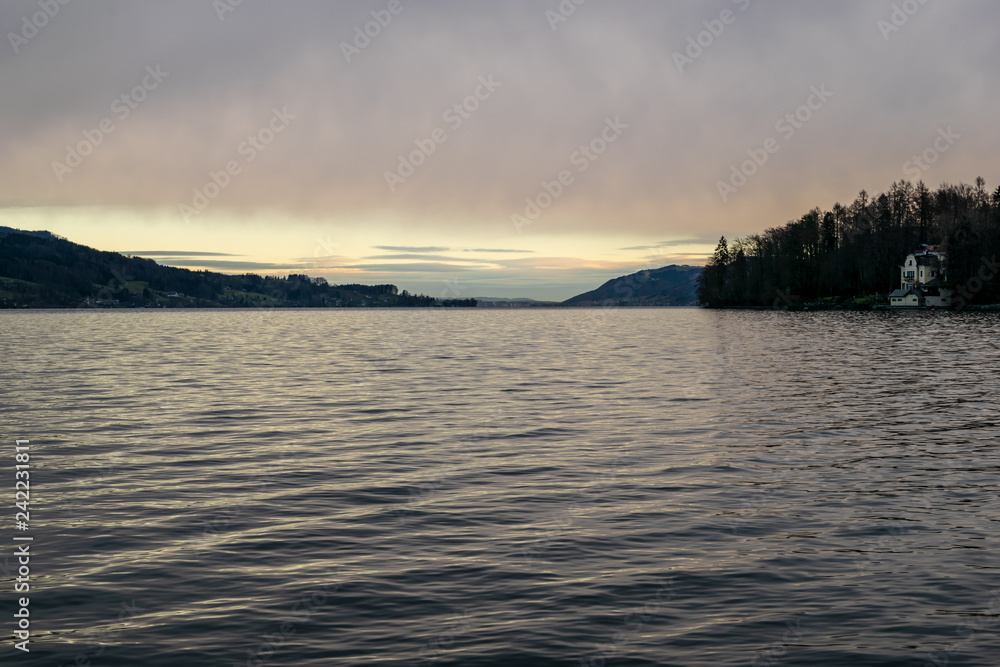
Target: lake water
{"x": 487, "y": 487}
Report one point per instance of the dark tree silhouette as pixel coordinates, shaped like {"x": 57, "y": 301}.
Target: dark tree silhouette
{"x": 854, "y": 251}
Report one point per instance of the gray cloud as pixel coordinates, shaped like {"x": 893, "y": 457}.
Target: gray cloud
{"x": 495, "y": 250}
{"x": 354, "y": 120}
{"x": 429, "y": 267}
{"x": 226, "y": 266}
{"x": 673, "y": 244}
{"x": 175, "y": 253}
{"x": 394, "y": 248}
{"x": 443, "y": 258}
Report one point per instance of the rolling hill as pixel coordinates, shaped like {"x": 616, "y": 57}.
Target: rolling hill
{"x": 42, "y": 270}
{"x": 670, "y": 286}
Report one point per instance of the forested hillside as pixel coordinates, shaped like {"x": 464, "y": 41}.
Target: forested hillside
{"x": 42, "y": 270}
{"x": 669, "y": 286}
{"x": 854, "y": 251}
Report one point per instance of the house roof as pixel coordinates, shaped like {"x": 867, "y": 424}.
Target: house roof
{"x": 904, "y": 292}
{"x": 929, "y": 251}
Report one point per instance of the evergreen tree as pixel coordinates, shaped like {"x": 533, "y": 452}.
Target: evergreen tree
{"x": 854, "y": 251}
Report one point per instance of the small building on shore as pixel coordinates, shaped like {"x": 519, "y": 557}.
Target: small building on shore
{"x": 905, "y": 298}
{"x": 922, "y": 280}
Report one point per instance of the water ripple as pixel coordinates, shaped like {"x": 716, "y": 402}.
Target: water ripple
{"x": 620, "y": 487}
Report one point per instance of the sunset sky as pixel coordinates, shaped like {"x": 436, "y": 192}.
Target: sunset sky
{"x": 279, "y": 137}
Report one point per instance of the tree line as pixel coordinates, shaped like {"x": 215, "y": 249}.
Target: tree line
{"x": 42, "y": 270}
{"x": 853, "y": 252}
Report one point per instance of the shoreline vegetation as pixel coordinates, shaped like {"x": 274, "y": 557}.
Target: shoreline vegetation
{"x": 848, "y": 258}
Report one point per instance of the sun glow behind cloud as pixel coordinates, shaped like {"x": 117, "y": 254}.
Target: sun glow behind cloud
{"x": 544, "y": 267}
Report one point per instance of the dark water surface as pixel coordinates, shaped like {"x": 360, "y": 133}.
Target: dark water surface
{"x": 598, "y": 487}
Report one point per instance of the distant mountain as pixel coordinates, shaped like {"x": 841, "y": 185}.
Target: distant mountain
{"x": 670, "y": 286}
{"x": 42, "y": 270}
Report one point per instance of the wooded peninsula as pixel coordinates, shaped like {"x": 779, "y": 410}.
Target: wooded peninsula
{"x": 850, "y": 256}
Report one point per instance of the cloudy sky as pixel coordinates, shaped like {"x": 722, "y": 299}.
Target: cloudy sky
{"x": 517, "y": 148}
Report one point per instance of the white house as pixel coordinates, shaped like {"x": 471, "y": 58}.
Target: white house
{"x": 922, "y": 284}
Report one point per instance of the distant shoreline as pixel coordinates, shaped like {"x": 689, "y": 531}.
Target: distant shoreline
{"x": 982, "y": 308}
